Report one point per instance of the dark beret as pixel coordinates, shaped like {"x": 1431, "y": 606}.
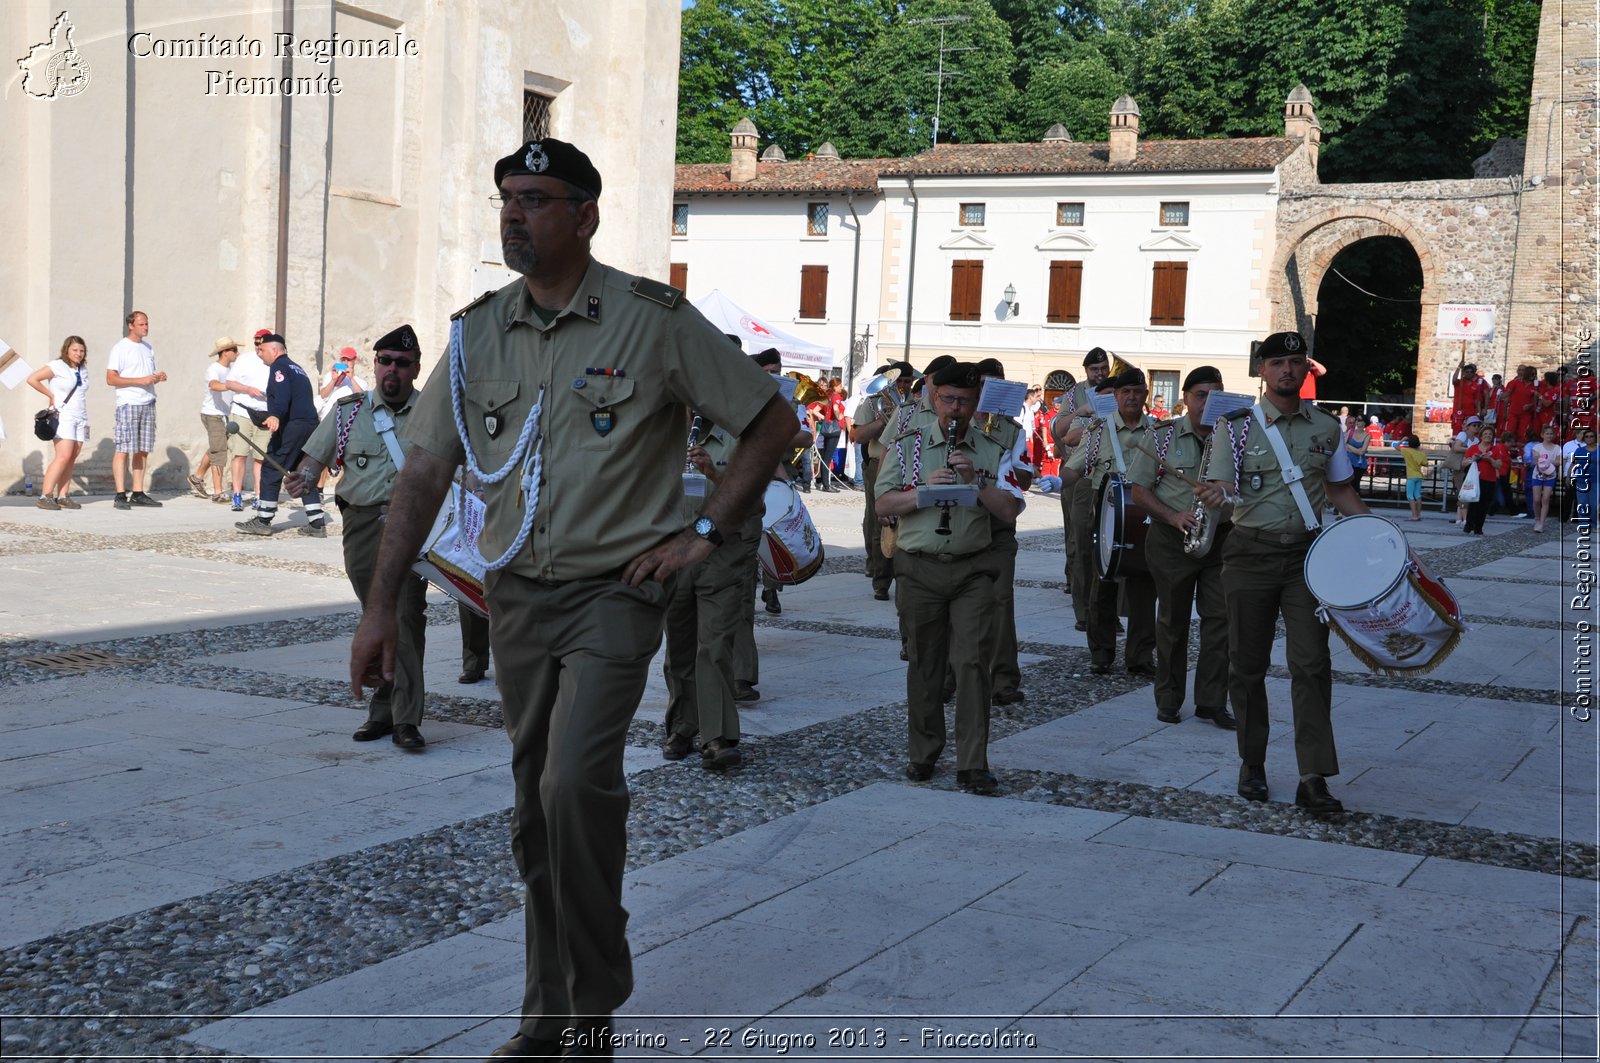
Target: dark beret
{"x": 937, "y": 364}
{"x": 550, "y": 158}
{"x": 401, "y": 339}
{"x": 991, "y": 367}
{"x": 1281, "y": 344}
{"x": 770, "y": 356}
{"x": 1128, "y": 378}
{"x": 903, "y": 368}
{"x": 273, "y": 337}
{"x": 957, "y": 375}
{"x": 737, "y": 341}
{"x": 1095, "y": 356}
{"x": 1205, "y": 374}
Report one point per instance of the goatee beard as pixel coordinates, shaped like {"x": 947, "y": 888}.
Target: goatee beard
{"x": 521, "y": 259}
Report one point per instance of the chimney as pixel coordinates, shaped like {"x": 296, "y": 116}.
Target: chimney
{"x": 1057, "y": 134}
{"x": 1300, "y": 120}
{"x": 1124, "y": 130}
{"x": 743, "y": 166}
{"x": 774, "y": 154}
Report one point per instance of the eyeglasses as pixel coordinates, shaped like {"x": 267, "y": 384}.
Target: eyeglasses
{"x": 403, "y": 363}
{"x": 527, "y": 202}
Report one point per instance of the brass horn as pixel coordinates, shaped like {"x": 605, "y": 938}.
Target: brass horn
{"x": 880, "y": 390}
{"x": 809, "y": 390}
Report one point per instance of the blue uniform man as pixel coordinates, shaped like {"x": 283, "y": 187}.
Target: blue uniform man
{"x": 291, "y": 418}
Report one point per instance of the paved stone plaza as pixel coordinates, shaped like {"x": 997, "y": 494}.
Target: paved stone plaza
{"x": 197, "y": 860}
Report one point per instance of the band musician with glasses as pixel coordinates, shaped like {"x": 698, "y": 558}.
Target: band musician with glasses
{"x": 349, "y": 439}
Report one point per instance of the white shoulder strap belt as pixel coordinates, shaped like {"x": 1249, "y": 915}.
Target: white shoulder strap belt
{"x": 1292, "y": 473}
{"x": 383, "y": 421}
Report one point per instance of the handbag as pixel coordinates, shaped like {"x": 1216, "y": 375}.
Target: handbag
{"x": 1471, "y": 487}
{"x": 257, "y": 417}
{"x": 47, "y": 420}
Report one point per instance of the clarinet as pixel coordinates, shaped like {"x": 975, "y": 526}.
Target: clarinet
{"x": 694, "y": 441}
{"x": 949, "y": 452}
{"x": 694, "y": 483}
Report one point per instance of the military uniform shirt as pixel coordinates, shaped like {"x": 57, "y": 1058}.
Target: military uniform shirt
{"x": 1265, "y": 502}
{"x": 618, "y": 370}
{"x": 969, "y": 525}
{"x": 1097, "y": 442}
{"x": 369, "y": 471}
{"x": 1183, "y": 447}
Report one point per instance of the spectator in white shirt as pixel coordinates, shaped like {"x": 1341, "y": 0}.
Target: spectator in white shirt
{"x": 131, "y": 369}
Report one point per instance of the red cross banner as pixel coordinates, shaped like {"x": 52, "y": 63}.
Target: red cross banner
{"x": 1465, "y": 321}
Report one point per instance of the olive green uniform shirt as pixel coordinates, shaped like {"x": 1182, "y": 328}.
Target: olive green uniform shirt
{"x": 1182, "y": 447}
{"x": 369, "y": 471}
{"x": 618, "y": 370}
{"x": 969, "y": 525}
{"x": 1265, "y": 502}
{"x": 1096, "y": 443}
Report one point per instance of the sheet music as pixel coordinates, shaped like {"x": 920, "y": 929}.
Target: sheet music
{"x": 1105, "y": 404}
{"x": 1004, "y": 397}
{"x": 1221, "y": 404}
{"x": 955, "y": 494}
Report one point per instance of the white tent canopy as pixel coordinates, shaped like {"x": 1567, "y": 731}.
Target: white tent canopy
{"x": 756, "y": 335}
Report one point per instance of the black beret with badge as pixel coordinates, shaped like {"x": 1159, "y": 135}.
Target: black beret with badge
{"x": 957, "y": 375}
{"x": 1096, "y": 356}
{"x": 550, "y": 158}
{"x": 400, "y": 339}
{"x": 933, "y": 367}
{"x": 1281, "y": 345}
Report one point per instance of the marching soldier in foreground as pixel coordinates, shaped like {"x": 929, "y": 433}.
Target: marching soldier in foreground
{"x": 573, "y": 383}
{"x": 1263, "y": 572}
{"x": 350, "y": 439}
{"x": 945, "y": 581}
{"x": 1005, "y": 674}
{"x": 1164, "y": 483}
{"x": 1067, "y": 428}
{"x": 1096, "y": 459}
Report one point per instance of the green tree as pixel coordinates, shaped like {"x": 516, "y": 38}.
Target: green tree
{"x": 886, "y": 104}
{"x": 1077, "y": 92}
{"x": 1511, "y": 36}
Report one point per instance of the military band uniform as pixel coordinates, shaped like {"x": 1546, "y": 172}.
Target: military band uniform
{"x": 1074, "y": 498}
{"x": 362, "y": 495}
{"x": 1005, "y": 674}
{"x": 704, "y": 614}
{"x": 572, "y": 643}
{"x": 1263, "y": 574}
{"x": 1183, "y": 582}
{"x": 944, "y": 590}
{"x": 474, "y": 643}
{"x": 1136, "y": 592}
{"x": 880, "y": 569}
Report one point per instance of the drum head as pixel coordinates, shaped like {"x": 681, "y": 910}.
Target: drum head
{"x": 1109, "y": 529}
{"x": 1355, "y": 561}
{"x": 777, "y": 500}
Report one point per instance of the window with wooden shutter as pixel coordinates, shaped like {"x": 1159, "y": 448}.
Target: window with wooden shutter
{"x": 1169, "y": 293}
{"x": 679, "y": 277}
{"x": 814, "y": 291}
{"x": 966, "y": 289}
{"x": 1066, "y": 291}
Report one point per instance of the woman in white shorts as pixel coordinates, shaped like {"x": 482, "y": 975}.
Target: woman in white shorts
{"x": 65, "y": 382}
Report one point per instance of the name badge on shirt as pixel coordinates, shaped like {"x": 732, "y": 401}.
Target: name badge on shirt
{"x": 603, "y": 420}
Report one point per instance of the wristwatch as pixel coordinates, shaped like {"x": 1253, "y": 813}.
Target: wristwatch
{"x": 706, "y": 528}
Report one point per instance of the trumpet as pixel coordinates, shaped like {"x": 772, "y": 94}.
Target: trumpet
{"x": 949, "y": 452}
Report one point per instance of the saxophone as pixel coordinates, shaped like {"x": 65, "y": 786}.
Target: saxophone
{"x": 1197, "y": 542}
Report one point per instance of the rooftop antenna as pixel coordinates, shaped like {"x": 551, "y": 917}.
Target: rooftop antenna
{"x": 941, "y": 74}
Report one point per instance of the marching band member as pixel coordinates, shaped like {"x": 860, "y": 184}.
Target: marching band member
{"x": 1163, "y": 481}
{"x": 867, "y": 426}
{"x": 1067, "y": 428}
{"x": 1275, "y": 517}
{"x": 1095, "y": 460}
{"x": 350, "y": 439}
{"x": 945, "y": 574}
{"x": 1005, "y": 673}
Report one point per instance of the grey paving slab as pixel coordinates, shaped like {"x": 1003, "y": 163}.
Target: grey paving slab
{"x": 329, "y": 659}
{"x": 1183, "y": 976}
{"x": 1503, "y": 885}
{"x": 1263, "y": 850}
{"x": 61, "y": 846}
{"x": 1519, "y": 568}
{"x": 50, "y": 904}
{"x": 1517, "y": 601}
{"x": 153, "y": 594}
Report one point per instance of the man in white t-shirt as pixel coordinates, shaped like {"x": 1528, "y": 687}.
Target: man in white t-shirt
{"x": 215, "y": 405}
{"x": 247, "y": 381}
{"x": 131, "y": 369}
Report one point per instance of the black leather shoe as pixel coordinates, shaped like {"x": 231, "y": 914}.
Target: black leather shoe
{"x": 408, "y": 738}
{"x": 1168, "y": 716}
{"x": 1219, "y": 716}
{"x": 1081, "y": 625}
{"x": 469, "y": 677}
{"x": 1313, "y": 796}
{"x": 676, "y": 747}
{"x": 1141, "y": 670}
{"x": 744, "y": 693}
{"x": 1253, "y": 782}
{"x": 719, "y": 755}
{"x": 372, "y": 730}
{"x": 770, "y": 598}
{"x": 531, "y": 1048}
{"x": 978, "y": 781}
{"x": 919, "y": 772}
{"x": 1010, "y": 697}
{"x": 903, "y": 655}
{"x": 1099, "y": 669}
{"x": 881, "y": 596}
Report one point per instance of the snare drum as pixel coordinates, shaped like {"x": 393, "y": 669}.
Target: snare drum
{"x": 790, "y": 549}
{"x": 450, "y": 559}
{"x": 1393, "y": 614}
{"x": 1121, "y": 525}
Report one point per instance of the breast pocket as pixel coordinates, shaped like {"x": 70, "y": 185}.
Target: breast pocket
{"x": 1257, "y": 469}
{"x": 607, "y": 414}
{"x": 494, "y": 415}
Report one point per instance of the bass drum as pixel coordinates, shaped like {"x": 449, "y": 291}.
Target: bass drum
{"x": 790, "y": 549}
{"x": 1120, "y": 527}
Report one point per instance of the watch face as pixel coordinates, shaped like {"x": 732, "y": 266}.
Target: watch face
{"x": 703, "y": 526}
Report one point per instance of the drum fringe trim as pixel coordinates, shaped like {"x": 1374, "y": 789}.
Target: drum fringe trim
{"x": 1458, "y": 628}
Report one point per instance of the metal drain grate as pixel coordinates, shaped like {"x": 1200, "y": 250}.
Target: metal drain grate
{"x": 79, "y": 661}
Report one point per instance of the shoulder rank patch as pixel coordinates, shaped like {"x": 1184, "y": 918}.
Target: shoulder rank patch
{"x": 472, "y": 305}
{"x": 656, "y": 292}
